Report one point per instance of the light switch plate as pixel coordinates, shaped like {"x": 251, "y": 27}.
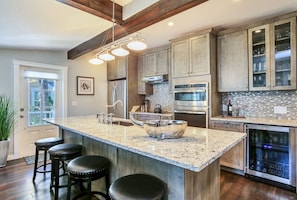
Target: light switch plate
{"x": 74, "y": 103}
{"x": 280, "y": 109}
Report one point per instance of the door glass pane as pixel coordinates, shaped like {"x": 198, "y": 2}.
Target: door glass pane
{"x": 259, "y": 58}
{"x": 41, "y": 100}
{"x": 282, "y": 55}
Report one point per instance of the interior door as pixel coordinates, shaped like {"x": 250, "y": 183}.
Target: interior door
{"x": 39, "y": 100}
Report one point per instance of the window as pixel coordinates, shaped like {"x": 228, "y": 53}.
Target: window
{"x": 41, "y": 100}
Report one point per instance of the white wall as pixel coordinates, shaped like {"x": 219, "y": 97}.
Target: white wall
{"x": 86, "y": 105}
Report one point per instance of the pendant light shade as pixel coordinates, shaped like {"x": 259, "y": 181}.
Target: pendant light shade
{"x": 106, "y": 56}
{"x": 136, "y": 45}
{"x": 96, "y": 61}
{"x": 120, "y": 52}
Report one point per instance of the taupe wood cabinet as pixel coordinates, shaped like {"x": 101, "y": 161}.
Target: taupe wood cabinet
{"x": 156, "y": 63}
{"x": 235, "y": 157}
{"x": 117, "y": 69}
{"x": 272, "y": 56}
{"x": 148, "y": 116}
{"x": 232, "y": 60}
{"x": 143, "y": 88}
{"x": 191, "y": 56}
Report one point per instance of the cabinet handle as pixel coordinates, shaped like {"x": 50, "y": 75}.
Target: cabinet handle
{"x": 226, "y": 122}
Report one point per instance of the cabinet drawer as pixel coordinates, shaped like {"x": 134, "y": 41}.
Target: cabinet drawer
{"x": 227, "y": 126}
{"x": 143, "y": 117}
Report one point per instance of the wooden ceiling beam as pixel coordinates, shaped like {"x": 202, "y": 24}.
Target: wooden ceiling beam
{"x": 151, "y": 15}
{"x": 100, "y": 8}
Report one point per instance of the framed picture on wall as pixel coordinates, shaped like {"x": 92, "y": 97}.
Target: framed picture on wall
{"x": 85, "y": 85}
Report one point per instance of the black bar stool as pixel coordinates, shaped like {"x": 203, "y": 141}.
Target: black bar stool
{"x": 87, "y": 169}
{"x": 137, "y": 187}
{"x": 44, "y": 145}
{"x": 60, "y": 153}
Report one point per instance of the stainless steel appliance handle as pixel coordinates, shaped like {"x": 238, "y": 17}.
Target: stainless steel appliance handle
{"x": 193, "y": 90}
{"x": 191, "y": 112}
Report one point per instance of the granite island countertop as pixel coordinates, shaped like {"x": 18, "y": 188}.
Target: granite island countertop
{"x": 194, "y": 151}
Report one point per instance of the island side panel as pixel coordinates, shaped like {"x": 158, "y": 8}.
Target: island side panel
{"x": 204, "y": 184}
{"x": 125, "y": 162}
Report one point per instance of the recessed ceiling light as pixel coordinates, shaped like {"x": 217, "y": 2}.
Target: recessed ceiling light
{"x": 170, "y": 24}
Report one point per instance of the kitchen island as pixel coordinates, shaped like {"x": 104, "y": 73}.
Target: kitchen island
{"x": 189, "y": 165}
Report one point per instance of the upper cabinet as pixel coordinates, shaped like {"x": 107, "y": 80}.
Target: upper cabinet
{"x": 191, "y": 56}
{"x": 272, "y": 56}
{"x": 143, "y": 87}
{"x": 157, "y": 63}
{"x": 117, "y": 69}
{"x": 232, "y": 60}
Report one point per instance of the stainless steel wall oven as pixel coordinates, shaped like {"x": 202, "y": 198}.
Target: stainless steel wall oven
{"x": 191, "y": 103}
{"x": 271, "y": 152}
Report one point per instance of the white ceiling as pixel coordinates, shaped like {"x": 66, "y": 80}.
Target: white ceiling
{"x": 48, "y": 24}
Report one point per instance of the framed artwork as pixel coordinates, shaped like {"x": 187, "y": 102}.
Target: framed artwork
{"x": 85, "y": 85}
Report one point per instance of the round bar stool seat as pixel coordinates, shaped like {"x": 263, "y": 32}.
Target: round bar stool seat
{"x": 137, "y": 187}
{"x": 60, "y": 153}
{"x": 87, "y": 169}
{"x": 44, "y": 145}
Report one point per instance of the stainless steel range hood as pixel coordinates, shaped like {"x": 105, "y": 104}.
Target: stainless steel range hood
{"x": 155, "y": 79}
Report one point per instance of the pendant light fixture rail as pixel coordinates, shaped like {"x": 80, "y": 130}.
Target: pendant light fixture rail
{"x": 109, "y": 52}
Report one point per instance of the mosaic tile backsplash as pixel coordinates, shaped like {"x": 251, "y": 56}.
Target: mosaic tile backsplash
{"x": 161, "y": 96}
{"x": 261, "y": 104}
{"x": 250, "y": 104}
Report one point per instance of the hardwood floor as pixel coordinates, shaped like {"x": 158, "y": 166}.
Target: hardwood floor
{"x": 16, "y": 184}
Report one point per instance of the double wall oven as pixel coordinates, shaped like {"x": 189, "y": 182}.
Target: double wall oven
{"x": 191, "y": 103}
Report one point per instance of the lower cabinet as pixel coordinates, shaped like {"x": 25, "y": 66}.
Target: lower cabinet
{"x": 235, "y": 157}
{"x": 151, "y": 116}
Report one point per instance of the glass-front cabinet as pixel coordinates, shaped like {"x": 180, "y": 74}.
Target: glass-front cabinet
{"x": 272, "y": 56}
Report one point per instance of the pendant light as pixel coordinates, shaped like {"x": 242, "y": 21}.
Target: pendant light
{"x": 136, "y": 45}
{"x": 120, "y": 52}
{"x": 96, "y": 61}
{"x": 106, "y": 56}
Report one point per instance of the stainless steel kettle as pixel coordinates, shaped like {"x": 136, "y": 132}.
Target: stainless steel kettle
{"x": 157, "y": 108}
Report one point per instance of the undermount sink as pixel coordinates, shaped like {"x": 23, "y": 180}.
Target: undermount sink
{"x": 122, "y": 123}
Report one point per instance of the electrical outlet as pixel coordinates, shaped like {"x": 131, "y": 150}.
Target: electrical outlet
{"x": 280, "y": 109}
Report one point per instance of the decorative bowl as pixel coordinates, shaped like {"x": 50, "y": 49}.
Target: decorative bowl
{"x": 165, "y": 129}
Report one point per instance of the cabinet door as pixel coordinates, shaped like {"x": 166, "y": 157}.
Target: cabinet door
{"x": 259, "y": 58}
{"x": 180, "y": 58}
{"x": 199, "y": 55}
{"x": 233, "y": 62}
{"x": 235, "y": 157}
{"x": 283, "y": 63}
{"x": 162, "y": 62}
{"x": 116, "y": 69}
{"x": 143, "y": 88}
{"x": 150, "y": 64}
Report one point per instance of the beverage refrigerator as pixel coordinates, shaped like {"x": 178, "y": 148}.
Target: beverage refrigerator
{"x": 271, "y": 152}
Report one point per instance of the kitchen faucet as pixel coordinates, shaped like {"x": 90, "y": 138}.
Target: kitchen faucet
{"x": 108, "y": 117}
{"x": 118, "y": 101}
